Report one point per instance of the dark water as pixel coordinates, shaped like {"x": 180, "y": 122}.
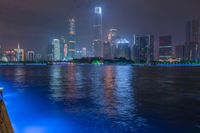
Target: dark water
{"x": 102, "y": 99}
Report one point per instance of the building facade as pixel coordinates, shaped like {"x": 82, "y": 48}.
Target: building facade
{"x": 71, "y": 40}
{"x": 97, "y": 42}
{"x": 143, "y": 48}
{"x": 56, "y": 49}
{"x": 192, "y": 40}
{"x": 165, "y": 48}
{"x": 30, "y": 56}
{"x": 107, "y": 50}
{"x": 122, "y": 48}
{"x": 180, "y": 52}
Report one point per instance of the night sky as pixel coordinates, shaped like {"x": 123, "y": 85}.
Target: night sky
{"x": 34, "y": 23}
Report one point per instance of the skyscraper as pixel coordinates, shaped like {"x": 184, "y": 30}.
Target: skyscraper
{"x": 97, "y": 43}
{"x": 192, "y": 40}
{"x": 50, "y": 52}
{"x": 165, "y": 48}
{"x": 84, "y": 52}
{"x": 112, "y": 35}
{"x": 62, "y": 45}
{"x": 30, "y": 56}
{"x": 71, "y": 39}
{"x": 56, "y": 49}
{"x": 180, "y": 52}
{"x": 18, "y": 53}
{"x": 122, "y": 48}
{"x": 143, "y": 48}
{"x": 107, "y": 50}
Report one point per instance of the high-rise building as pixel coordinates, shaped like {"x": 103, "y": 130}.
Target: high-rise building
{"x": 97, "y": 43}
{"x": 180, "y": 52}
{"x": 38, "y": 57}
{"x": 112, "y": 35}
{"x": 192, "y": 40}
{"x": 107, "y": 50}
{"x": 84, "y": 52}
{"x": 71, "y": 39}
{"x": 50, "y": 52}
{"x": 18, "y": 53}
{"x": 62, "y": 46}
{"x": 143, "y": 48}
{"x": 111, "y": 38}
{"x": 56, "y": 49}
{"x": 65, "y": 52}
{"x": 122, "y": 48}
{"x": 165, "y": 48}
{"x": 30, "y": 56}
{"x": 10, "y": 55}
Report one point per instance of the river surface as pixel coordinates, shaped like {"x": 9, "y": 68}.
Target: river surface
{"x": 102, "y": 99}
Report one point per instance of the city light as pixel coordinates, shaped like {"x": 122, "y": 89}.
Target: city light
{"x": 98, "y": 10}
{"x": 122, "y": 41}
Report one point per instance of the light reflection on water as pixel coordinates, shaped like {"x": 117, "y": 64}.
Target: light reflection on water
{"x": 102, "y": 99}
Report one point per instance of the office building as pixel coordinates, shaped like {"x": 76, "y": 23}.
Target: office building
{"x": 84, "y": 52}
{"x": 50, "y": 52}
{"x": 71, "y": 40}
{"x": 56, "y": 49}
{"x": 143, "y": 48}
{"x": 165, "y": 48}
{"x": 65, "y": 52}
{"x": 180, "y": 52}
{"x": 97, "y": 43}
{"x": 30, "y": 56}
{"x": 192, "y": 40}
{"x": 107, "y": 50}
{"x": 19, "y": 53}
{"x": 122, "y": 48}
{"x": 62, "y": 46}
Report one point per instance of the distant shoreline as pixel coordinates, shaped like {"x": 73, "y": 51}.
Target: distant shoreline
{"x": 132, "y": 64}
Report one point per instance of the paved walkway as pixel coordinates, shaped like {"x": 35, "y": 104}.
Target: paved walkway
{"x": 5, "y": 124}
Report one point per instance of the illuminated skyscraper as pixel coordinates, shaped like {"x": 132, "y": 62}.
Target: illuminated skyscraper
{"x": 71, "y": 39}
{"x": 97, "y": 43}
{"x": 112, "y": 35}
{"x": 50, "y": 52}
{"x": 84, "y": 52}
{"x": 122, "y": 48}
{"x": 107, "y": 50}
{"x": 192, "y": 40}
{"x": 30, "y": 56}
{"x": 143, "y": 48}
{"x": 56, "y": 49}
{"x": 18, "y": 53}
{"x": 65, "y": 52}
{"x": 62, "y": 46}
{"x": 165, "y": 48}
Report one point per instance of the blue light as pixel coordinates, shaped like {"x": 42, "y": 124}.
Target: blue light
{"x": 122, "y": 41}
{"x": 98, "y": 10}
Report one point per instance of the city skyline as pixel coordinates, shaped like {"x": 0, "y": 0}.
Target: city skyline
{"x": 38, "y": 32}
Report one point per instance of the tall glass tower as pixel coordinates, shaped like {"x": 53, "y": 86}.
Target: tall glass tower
{"x": 56, "y": 49}
{"x": 97, "y": 43}
{"x": 71, "y": 40}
